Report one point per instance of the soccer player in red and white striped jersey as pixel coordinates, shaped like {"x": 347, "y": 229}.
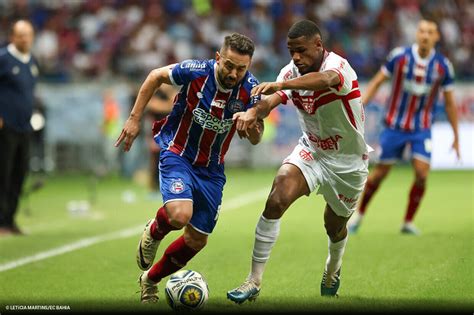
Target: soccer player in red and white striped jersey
{"x": 330, "y": 159}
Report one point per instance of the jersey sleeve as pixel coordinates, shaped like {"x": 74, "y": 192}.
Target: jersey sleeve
{"x": 389, "y": 66}
{"x": 285, "y": 74}
{"x": 343, "y": 69}
{"x": 448, "y": 81}
{"x": 183, "y": 72}
{"x": 251, "y": 83}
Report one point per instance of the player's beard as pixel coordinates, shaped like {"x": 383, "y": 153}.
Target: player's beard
{"x": 226, "y": 82}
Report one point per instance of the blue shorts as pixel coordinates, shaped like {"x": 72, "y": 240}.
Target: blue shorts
{"x": 179, "y": 180}
{"x": 393, "y": 142}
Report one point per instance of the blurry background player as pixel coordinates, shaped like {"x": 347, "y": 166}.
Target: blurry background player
{"x": 18, "y": 76}
{"x": 330, "y": 159}
{"x": 418, "y": 73}
{"x": 194, "y": 139}
{"x": 158, "y": 108}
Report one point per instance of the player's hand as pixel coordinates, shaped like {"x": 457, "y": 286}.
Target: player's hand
{"x": 129, "y": 133}
{"x": 244, "y": 121}
{"x": 455, "y": 147}
{"x": 266, "y": 88}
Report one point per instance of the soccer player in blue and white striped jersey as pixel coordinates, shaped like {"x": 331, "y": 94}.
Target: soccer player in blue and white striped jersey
{"x": 418, "y": 72}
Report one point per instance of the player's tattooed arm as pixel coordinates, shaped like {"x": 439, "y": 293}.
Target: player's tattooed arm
{"x": 132, "y": 126}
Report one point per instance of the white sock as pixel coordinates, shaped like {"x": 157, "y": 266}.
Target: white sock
{"x": 355, "y": 219}
{"x": 266, "y": 234}
{"x": 335, "y": 253}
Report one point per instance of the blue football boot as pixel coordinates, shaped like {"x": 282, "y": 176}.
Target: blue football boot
{"x": 248, "y": 290}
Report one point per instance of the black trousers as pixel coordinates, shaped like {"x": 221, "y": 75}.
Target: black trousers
{"x": 14, "y": 165}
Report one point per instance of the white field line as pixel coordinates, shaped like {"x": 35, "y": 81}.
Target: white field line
{"x": 228, "y": 205}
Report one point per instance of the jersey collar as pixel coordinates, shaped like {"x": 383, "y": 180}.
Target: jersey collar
{"x": 418, "y": 59}
{"x": 25, "y": 58}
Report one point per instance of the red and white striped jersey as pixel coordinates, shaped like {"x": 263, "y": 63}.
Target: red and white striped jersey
{"x": 332, "y": 120}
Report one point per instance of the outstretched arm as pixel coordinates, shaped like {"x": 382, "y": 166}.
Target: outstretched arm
{"x": 132, "y": 126}
{"x": 313, "y": 81}
{"x": 373, "y": 86}
{"x": 451, "y": 112}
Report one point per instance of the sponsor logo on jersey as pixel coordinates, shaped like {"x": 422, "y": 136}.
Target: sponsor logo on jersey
{"x": 235, "y": 106}
{"x": 177, "y": 186}
{"x": 208, "y": 121}
{"x": 416, "y": 88}
{"x": 218, "y": 103}
{"x": 349, "y": 200}
{"x": 193, "y": 65}
{"x": 329, "y": 143}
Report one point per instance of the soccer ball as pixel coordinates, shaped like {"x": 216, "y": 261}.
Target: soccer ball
{"x": 186, "y": 290}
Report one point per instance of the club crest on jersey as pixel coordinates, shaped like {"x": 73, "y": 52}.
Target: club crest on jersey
{"x": 177, "y": 186}
{"x": 305, "y": 103}
{"x": 235, "y": 106}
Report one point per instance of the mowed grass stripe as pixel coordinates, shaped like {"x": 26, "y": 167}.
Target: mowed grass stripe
{"x": 232, "y": 204}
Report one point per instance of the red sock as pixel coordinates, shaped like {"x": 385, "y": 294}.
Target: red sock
{"x": 369, "y": 190}
{"x": 175, "y": 257}
{"x": 416, "y": 194}
{"x": 161, "y": 226}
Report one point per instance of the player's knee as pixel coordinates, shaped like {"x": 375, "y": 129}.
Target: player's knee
{"x": 179, "y": 219}
{"x": 334, "y": 232}
{"x": 421, "y": 175}
{"x": 276, "y": 206}
{"x": 420, "y": 180}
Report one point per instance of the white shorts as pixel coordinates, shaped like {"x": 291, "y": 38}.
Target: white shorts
{"x": 340, "y": 190}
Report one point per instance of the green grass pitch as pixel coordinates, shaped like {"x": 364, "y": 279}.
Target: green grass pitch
{"x": 382, "y": 269}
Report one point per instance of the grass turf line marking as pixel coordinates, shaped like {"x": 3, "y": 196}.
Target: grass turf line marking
{"x": 231, "y": 204}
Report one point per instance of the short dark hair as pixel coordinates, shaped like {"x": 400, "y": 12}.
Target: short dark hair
{"x": 429, "y": 18}
{"x": 304, "y": 28}
{"x": 239, "y": 43}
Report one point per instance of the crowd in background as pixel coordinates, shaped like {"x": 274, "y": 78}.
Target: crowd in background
{"x": 87, "y": 39}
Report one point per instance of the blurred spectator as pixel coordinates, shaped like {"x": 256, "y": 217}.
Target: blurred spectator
{"x": 80, "y": 39}
{"x": 18, "y": 76}
{"x": 159, "y": 107}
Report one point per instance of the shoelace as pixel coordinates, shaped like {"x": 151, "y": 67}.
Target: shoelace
{"x": 148, "y": 291}
{"x": 246, "y": 286}
{"x": 333, "y": 281}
